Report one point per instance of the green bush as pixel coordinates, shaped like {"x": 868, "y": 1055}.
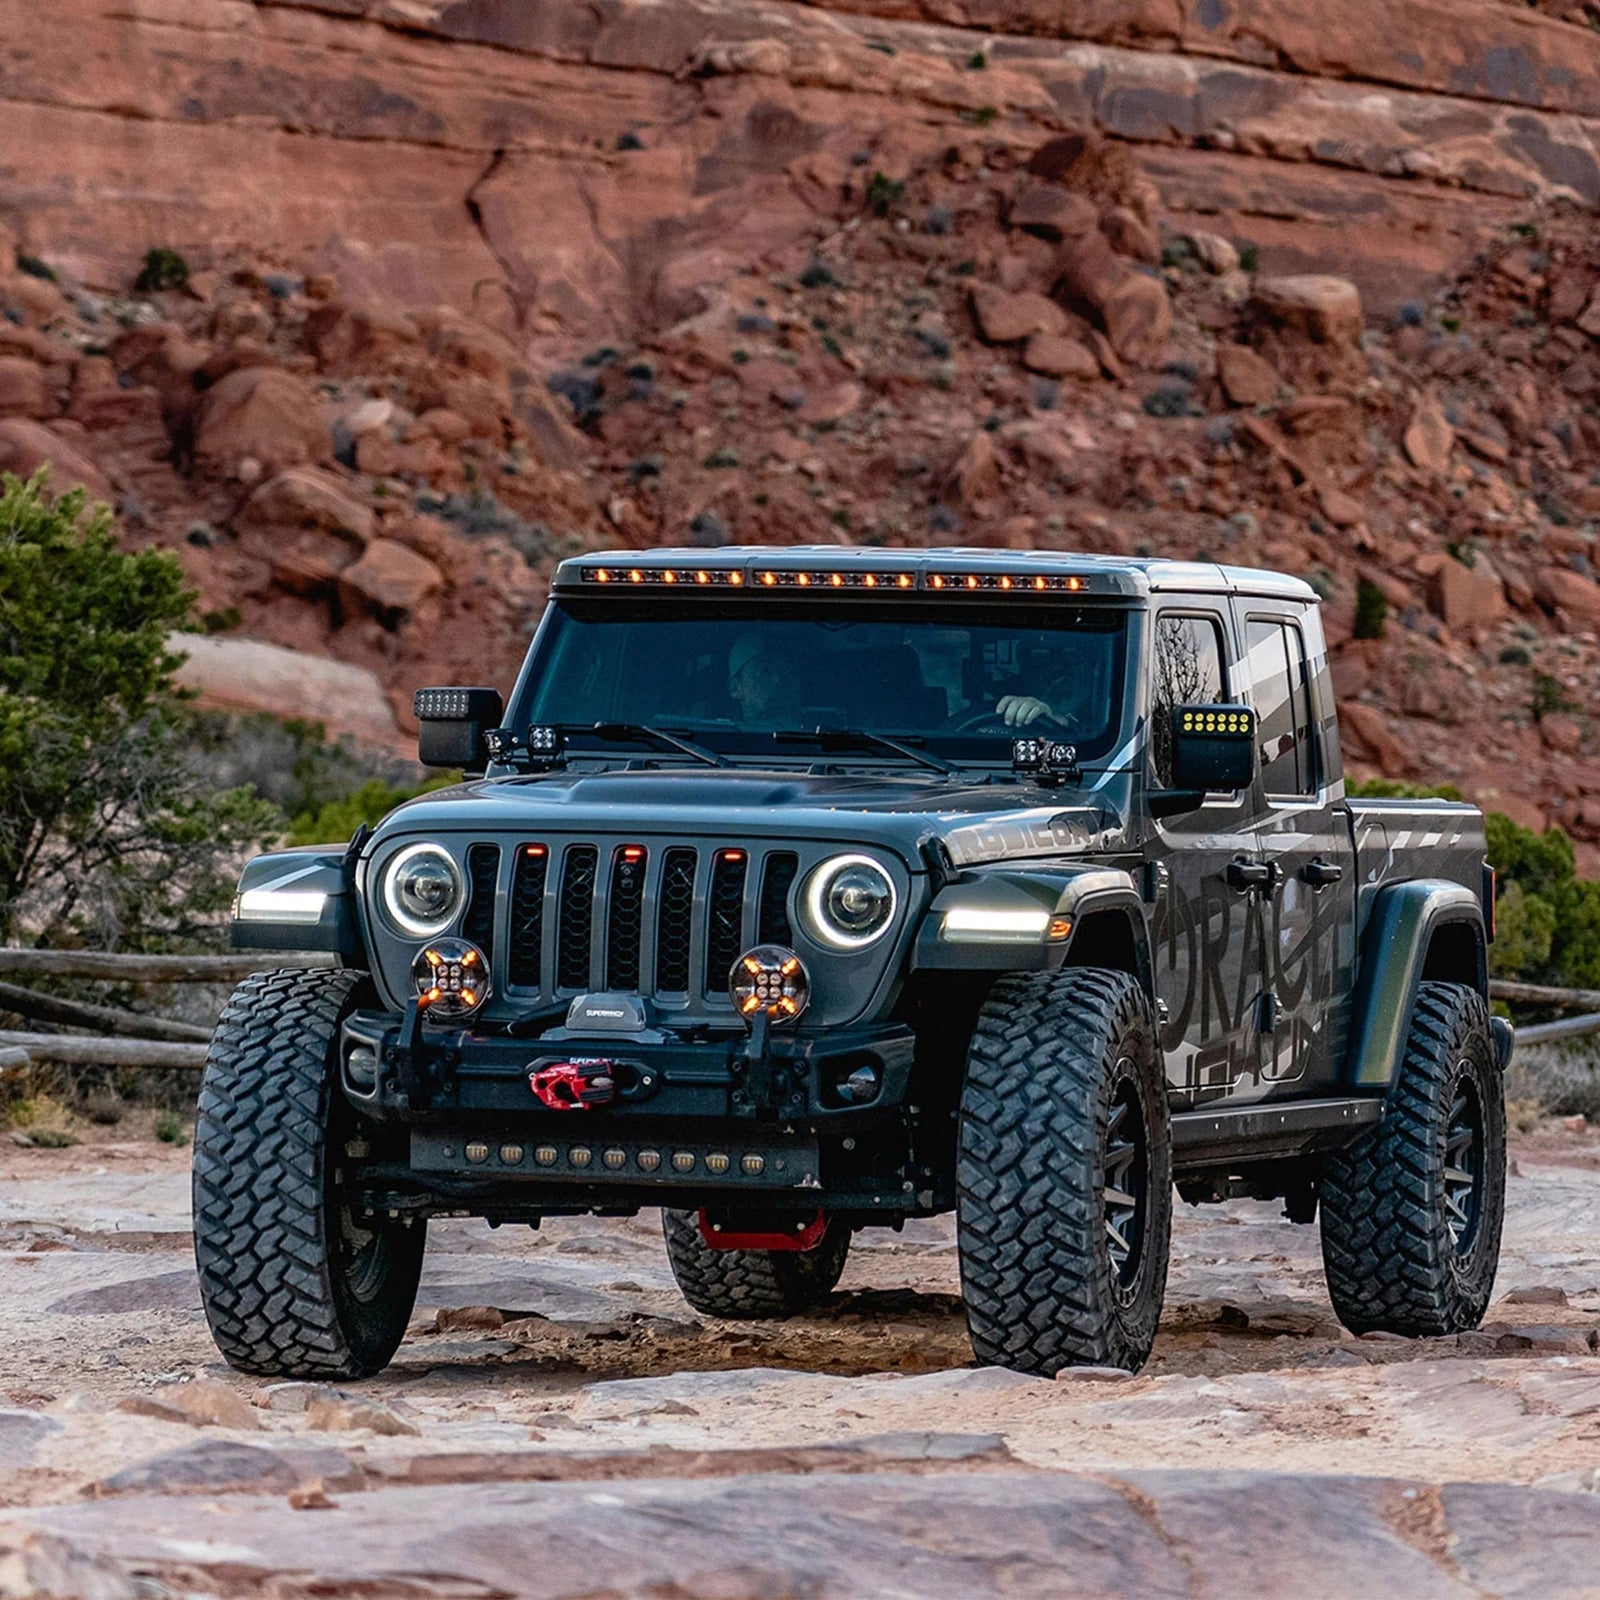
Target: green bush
{"x": 163, "y": 269}
{"x": 108, "y": 837}
{"x": 1372, "y": 611}
{"x": 337, "y": 820}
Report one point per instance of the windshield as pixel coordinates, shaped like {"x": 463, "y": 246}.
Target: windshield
{"x": 960, "y": 684}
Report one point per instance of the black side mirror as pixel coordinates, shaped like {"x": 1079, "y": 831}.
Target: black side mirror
{"x": 1213, "y": 747}
{"x": 455, "y": 723}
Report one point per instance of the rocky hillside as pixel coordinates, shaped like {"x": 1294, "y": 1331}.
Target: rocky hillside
{"x": 442, "y": 291}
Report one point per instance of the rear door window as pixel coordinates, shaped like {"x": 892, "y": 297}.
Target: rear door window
{"x": 1281, "y": 687}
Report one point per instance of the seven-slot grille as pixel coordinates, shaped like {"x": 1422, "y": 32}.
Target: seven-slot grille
{"x": 630, "y": 917}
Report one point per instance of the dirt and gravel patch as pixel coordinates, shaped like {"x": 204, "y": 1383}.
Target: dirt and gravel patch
{"x": 559, "y": 1423}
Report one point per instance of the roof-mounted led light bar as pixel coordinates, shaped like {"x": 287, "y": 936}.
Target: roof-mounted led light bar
{"x": 857, "y": 580}
{"x": 1009, "y": 582}
{"x": 689, "y": 577}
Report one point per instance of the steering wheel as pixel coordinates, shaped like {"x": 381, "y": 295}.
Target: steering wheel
{"x": 993, "y": 722}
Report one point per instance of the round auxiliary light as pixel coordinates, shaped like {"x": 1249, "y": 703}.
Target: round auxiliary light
{"x": 451, "y": 978}
{"x": 423, "y": 890}
{"x": 769, "y": 979}
{"x": 848, "y": 903}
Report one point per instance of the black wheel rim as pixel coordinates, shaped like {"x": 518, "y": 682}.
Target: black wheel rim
{"x": 1126, "y": 1179}
{"x": 364, "y": 1256}
{"x": 1463, "y": 1162}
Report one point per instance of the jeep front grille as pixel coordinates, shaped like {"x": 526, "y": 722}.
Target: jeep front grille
{"x": 483, "y": 872}
{"x": 575, "y": 934}
{"x": 610, "y": 914}
{"x": 674, "y": 921}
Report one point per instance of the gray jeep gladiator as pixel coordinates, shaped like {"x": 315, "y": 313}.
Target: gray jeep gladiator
{"x": 801, "y": 891}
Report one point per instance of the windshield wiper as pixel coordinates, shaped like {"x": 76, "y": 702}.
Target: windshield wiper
{"x": 861, "y": 739}
{"x": 615, "y": 732}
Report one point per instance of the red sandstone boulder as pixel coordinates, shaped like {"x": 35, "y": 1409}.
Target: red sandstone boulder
{"x": 1467, "y": 597}
{"x": 1050, "y": 212}
{"x": 264, "y": 415}
{"x": 1059, "y": 356}
{"x": 390, "y": 579}
{"x": 1246, "y": 378}
{"x": 1131, "y": 306}
{"x": 1309, "y": 326}
{"x": 27, "y": 446}
{"x": 305, "y": 497}
{"x": 23, "y": 392}
{"x": 1576, "y": 597}
{"x": 1004, "y": 318}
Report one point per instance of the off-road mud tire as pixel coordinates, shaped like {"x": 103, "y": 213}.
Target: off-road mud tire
{"x": 744, "y": 1285}
{"x": 1051, "y": 1054}
{"x": 287, "y": 1291}
{"x": 1391, "y": 1260}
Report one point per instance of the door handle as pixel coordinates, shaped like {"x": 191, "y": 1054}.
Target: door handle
{"x": 1243, "y": 874}
{"x": 1318, "y": 873}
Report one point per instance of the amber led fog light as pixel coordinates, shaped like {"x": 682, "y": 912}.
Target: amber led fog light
{"x": 451, "y": 978}
{"x": 769, "y": 980}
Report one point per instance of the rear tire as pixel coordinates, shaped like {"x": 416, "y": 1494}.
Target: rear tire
{"x": 294, "y": 1284}
{"x": 743, "y": 1285}
{"x": 1064, "y": 1174}
{"x": 1411, "y": 1212}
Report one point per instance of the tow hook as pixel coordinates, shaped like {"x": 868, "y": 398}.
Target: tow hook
{"x": 574, "y": 1085}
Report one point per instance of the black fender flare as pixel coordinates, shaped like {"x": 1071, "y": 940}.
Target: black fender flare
{"x": 1074, "y": 894}
{"x": 1394, "y": 955}
{"x": 300, "y": 899}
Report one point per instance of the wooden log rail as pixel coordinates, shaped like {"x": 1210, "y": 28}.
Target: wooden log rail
{"x": 131, "y": 1039}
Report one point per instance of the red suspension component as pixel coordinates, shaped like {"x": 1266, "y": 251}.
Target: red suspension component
{"x": 802, "y": 1236}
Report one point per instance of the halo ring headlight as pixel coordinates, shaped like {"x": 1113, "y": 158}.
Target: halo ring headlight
{"x": 423, "y": 891}
{"x": 848, "y": 902}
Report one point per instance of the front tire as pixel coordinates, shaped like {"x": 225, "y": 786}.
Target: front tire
{"x": 744, "y": 1285}
{"x": 1064, "y": 1174}
{"x": 1412, "y": 1211}
{"x": 295, "y": 1285}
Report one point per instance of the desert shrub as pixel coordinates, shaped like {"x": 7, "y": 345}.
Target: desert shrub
{"x": 108, "y": 836}
{"x": 1372, "y": 611}
{"x": 163, "y": 269}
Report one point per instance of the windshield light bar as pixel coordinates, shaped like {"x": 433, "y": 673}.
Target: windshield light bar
{"x": 894, "y": 580}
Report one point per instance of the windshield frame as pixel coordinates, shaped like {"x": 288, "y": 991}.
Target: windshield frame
{"x": 771, "y": 753}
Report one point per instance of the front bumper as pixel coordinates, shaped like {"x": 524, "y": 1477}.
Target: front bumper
{"x": 695, "y": 1122}
{"x": 446, "y": 1075}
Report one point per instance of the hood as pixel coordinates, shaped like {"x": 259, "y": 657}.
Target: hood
{"x": 977, "y": 821}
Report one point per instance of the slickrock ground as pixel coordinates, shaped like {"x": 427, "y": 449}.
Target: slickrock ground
{"x": 474, "y": 285}
{"x": 558, "y": 1424}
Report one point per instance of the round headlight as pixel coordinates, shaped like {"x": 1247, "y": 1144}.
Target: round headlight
{"x": 848, "y": 902}
{"x": 422, "y": 890}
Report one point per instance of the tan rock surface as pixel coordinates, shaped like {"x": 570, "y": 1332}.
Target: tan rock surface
{"x": 249, "y": 675}
{"x": 859, "y": 1432}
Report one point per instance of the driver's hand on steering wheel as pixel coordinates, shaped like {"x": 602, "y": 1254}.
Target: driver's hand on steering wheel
{"x": 1018, "y": 710}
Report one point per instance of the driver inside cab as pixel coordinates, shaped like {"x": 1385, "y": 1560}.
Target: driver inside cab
{"x": 1063, "y": 702}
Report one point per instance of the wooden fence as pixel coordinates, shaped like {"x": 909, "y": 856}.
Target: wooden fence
{"x": 112, "y": 1037}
